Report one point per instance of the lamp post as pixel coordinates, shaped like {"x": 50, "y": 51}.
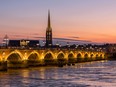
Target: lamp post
{"x": 76, "y": 46}
{"x": 37, "y": 45}
{"x": 43, "y": 44}
{"x": 57, "y": 45}
{"x": 68, "y": 45}
{"x": 3, "y": 63}
{"x": 3, "y": 56}
{"x": 60, "y": 45}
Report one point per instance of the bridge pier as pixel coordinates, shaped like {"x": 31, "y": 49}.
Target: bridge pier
{"x": 3, "y": 66}
{"x": 17, "y": 64}
{"x": 34, "y": 63}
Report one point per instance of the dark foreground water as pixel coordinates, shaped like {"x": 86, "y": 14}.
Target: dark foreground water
{"x": 95, "y": 74}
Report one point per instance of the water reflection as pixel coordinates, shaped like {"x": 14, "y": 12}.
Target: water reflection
{"x": 91, "y": 74}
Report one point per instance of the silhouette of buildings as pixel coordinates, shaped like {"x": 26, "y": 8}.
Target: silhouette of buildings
{"x": 23, "y": 43}
{"x": 31, "y": 43}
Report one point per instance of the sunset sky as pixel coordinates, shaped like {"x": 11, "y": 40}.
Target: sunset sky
{"x": 86, "y": 20}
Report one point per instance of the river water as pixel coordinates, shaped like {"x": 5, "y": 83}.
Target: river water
{"x": 94, "y": 74}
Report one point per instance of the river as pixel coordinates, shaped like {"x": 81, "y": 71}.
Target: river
{"x": 91, "y": 74}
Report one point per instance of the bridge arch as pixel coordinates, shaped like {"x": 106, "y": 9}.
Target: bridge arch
{"x": 101, "y": 55}
{"x": 79, "y": 57}
{"x": 71, "y": 52}
{"x": 97, "y": 55}
{"x": 14, "y": 56}
{"x": 49, "y": 58}
{"x": 71, "y": 55}
{"x": 49, "y": 54}
{"x": 34, "y": 55}
{"x": 61, "y": 58}
{"x": 71, "y": 58}
{"x": 34, "y": 59}
{"x": 60, "y": 55}
{"x": 86, "y": 57}
{"x": 92, "y": 55}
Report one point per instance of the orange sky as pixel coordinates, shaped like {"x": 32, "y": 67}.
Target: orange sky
{"x": 91, "y": 20}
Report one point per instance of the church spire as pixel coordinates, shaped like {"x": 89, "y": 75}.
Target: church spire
{"x": 49, "y": 32}
{"x": 49, "y": 22}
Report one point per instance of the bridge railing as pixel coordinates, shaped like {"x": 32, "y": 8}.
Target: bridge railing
{"x": 70, "y": 49}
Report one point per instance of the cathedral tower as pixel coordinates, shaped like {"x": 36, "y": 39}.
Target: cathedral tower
{"x": 49, "y": 32}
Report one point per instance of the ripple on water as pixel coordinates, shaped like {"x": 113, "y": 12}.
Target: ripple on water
{"x": 95, "y": 74}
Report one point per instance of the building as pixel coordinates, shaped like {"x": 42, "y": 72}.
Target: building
{"x": 14, "y": 43}
{"x": 5, "y": 41}
{"x": 23, "y": 43}
{"x": 49, "y": 33}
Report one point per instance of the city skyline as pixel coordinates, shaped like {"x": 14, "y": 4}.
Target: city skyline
{"x": 77, "y": 20}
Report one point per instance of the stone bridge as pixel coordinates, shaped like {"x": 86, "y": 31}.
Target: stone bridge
{"x": 41, "y": 56}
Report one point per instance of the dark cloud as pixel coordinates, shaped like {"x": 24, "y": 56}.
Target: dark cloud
{"x": 35, "y": 34}
{"x": 71, "y": 40}
{"x": 73, "y": 37}
{"x": 65, "y": 39}
{"x": 39, "y": 37}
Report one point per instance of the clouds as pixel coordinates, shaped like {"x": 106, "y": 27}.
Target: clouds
{"x": 70, "y": 19}
{"x": 64, "y": 39}
{"x": 74, "y": 37}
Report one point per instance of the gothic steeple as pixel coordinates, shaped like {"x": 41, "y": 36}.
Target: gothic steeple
{"x": 49, "y": 24}
{"x": 49, "y": 32}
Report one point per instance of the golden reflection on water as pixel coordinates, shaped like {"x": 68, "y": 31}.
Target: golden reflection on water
{"x": 25, "y": 73}
{"x": 43, "y": 72}
{"x": 40, "y": 72}
{"x": 95, "y": 74}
